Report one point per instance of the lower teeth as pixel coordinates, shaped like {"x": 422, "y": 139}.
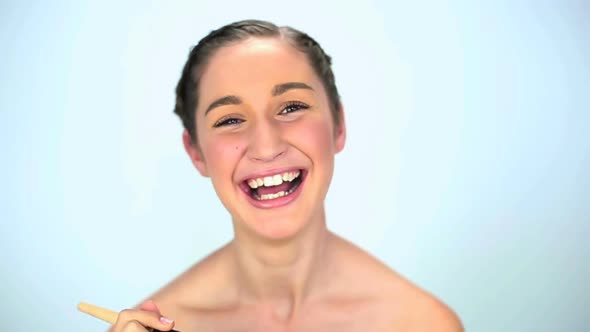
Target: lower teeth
{"x": 276, "y": 195}
{"x": 273, "y": 196}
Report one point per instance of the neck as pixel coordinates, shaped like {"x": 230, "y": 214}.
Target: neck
{"x": 280, "y": 274}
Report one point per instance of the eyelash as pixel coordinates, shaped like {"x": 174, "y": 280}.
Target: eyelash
{"x": 227, "y": 122}
{"x": 292, "y": 106}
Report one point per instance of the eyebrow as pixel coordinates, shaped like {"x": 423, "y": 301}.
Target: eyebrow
{"x": 227, "y": 100}
{"x": 277, "y": 90}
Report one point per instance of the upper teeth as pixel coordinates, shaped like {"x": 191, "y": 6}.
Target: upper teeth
{"x": 273, "y": 180}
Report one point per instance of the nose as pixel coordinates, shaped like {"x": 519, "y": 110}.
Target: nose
{"x": 266, "y": 141}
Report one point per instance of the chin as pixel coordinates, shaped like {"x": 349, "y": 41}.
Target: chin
{"x": 276, "y": 228}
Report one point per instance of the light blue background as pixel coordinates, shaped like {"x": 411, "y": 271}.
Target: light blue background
{"x": 467, "y": 165}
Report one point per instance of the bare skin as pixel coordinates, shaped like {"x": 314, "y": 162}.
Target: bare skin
{"x": 351, "y": 291}
{"x": 284, "y": 270}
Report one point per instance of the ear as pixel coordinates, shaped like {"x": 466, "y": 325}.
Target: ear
{"x": 194, "y": 152}
{"x": 340, "y": 131}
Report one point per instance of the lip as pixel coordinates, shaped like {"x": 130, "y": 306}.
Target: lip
{"x": 275, "y": 202}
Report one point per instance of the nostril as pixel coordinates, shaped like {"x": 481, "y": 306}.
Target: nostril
{"x": 263, "y": 158}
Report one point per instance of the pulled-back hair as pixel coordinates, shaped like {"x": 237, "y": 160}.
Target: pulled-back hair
{"x": 187, "y": 89}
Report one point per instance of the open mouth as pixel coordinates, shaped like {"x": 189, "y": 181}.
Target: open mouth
{"x": 273, "y": 186}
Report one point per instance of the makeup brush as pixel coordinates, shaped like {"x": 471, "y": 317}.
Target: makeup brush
{"x": 103, "y": 314}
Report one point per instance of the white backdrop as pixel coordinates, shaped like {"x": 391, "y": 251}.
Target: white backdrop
{"x": 466, "y": 167}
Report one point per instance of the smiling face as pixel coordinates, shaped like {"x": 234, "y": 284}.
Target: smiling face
{"x": 265, "y": 136}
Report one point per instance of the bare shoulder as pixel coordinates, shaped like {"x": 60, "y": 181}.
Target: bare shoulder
{"x": 203, "y": 285}
{"x": 405, "y": 306}
{"x": 430, "y": 314}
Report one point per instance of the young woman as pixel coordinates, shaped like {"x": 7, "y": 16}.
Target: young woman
{"x": 263, "y": 119}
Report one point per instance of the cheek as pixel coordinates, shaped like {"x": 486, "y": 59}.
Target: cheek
{"x": 222, "y": 156}
{"x": 316, "y": 137}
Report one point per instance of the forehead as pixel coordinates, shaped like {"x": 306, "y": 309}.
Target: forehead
{"x": 254, "y": 66}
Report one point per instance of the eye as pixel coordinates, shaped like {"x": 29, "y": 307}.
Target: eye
{"x": 227, "y": 122}
{"x": 293, "y": 106}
